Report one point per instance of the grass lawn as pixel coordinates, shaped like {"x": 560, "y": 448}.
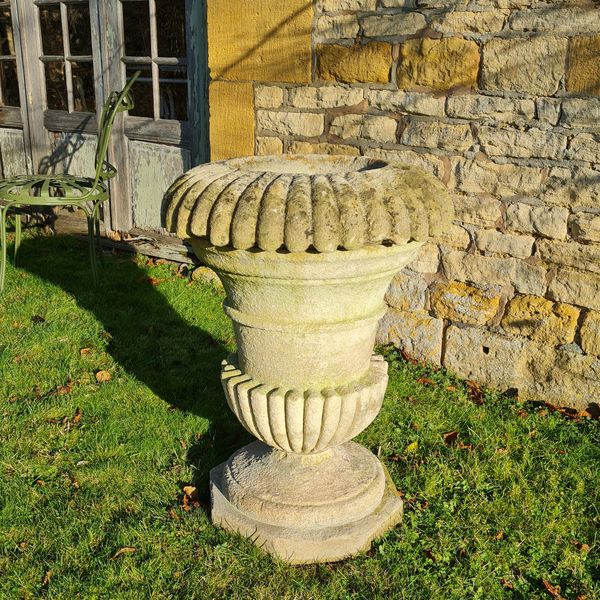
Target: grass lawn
{"x": 92, "y": 473}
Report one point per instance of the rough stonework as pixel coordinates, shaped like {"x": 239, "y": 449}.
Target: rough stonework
{"x": 306, "y": 247}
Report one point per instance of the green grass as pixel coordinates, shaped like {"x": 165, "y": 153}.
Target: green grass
{"x": 89, "y": 468}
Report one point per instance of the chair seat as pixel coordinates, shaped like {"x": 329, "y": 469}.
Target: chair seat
{"x": 51, "y": 190}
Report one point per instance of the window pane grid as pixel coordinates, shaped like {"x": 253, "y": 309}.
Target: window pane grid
{"x": 9, "y": 84}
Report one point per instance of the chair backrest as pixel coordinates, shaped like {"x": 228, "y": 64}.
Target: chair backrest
{"x": 116, "y": 103}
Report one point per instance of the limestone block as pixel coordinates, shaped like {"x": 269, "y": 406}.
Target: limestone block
{"x": 423, "y": 160}
{"x": 436, "y": 134}
{"x": 542, "y": 320}
{"x": 497, "y": 108}
{"x": 497, "y": 242}
{"x": 415, "y": 333}
{"x": 408, "y": 291}
{"x": 477, "y": 210}
{"x": 463, "y": 303}
{"x": 406, "y": 102}
{"x": 401, "y": 24}
{"x": 487, "y": 358}
{"x": 397, "y": 3}
{"x": 327, "y": 96}
{"x": 456, "y": 236}
{"x": 582, "y": 73}
{"x": 574, "y": 187}
{"x": 231, "y": 119}
{"x": 268, "y": 96}
{"x": 585, "y": 226}
{"x": 590, "y": 333}
{"x": 575, "y": 287}
{"x": 369, "y": 63}
{"x": 571, "y": 254}
{"x": 322, "y": 148}
{"x": 439, "y": 64}
{"x": 580, "y": 112}
{"x": 548, "y": 221}
{"x": 337, "y": 27}
{"x": 290, "y": 123}
{"x": 461, "y": 22}
{"x": 263, "y": 40}
{"x": 584, "y": 146}
{"x": 349, "y": 5}
{"x": 557, "y": 19}
{"x": 533, "y": 142}
{"x": 367, "y": 127}
{"x": 266, "y": 146}
{"x": 426, "y": 259}
{"x": 531, "y": 65}
{"x": 548, "y": 110}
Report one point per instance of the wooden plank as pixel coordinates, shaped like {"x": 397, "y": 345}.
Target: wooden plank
{"x": 59, "y": 120}
{"x": 10, "y": 116}
{"x": 12, "y": 152}
{"x": 172, "y": 133}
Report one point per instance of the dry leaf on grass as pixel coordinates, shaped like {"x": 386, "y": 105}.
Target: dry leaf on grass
{"x": 38, "y": 319}
{"x": 450, "y": 437}
{"x": 103, "y": 376}
{"x": 85, "y": 351}
{"x": 426, "y": 381}
{"x": 475, "y": 392}
{"x": 553, "y": 590}
{"x": 62, "y": 390}
{"x": 124, "y": 550}
{"x": 46, "y": 578}
{"x": 191, "y": 498}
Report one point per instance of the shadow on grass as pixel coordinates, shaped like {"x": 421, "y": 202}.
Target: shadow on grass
{"x": 148, "y": 338}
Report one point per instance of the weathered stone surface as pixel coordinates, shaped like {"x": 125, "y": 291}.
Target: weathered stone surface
{"x": 590, "y": 333}
{"x": 266, "y": 146}
{"x": 406, "y": 102}
{"x": 461, "y": 22}
{"x": 378, "y": 26}
{"x": 548, "y": 110}
{"x": 497, "y": 242}
{"x": 440, "y": 64}
{"x": 268, "y": 96}
{"x": 580, "y": 112}
{"x": 207, "y": 276}
{"x": 327, "y": 96}
{"x": 339, "y": 5}
{"x": 415, "y": 333}
{"x": 531, "y": 65}
{"x": 408, "y": 291}
{"x": 322, "y": 148}
{"x": 246, "y": 41}
{"x": 456, "y": 236}
{"x": 290, "y": 123}
{"x": 525, "y": 277}
{"x": 370, "y": 63}
{"x": 232, "y": 119}
{"x": 478, "y": 210}
{"x": 582, "y": 74}
{"x": 557, "y": 19}
{"x": 463, "y": 303}
{"x": 427, "y": 259}
{"x": 575, "y": 187}
{"x": 423, "y": 160}
{"x": 487, "y": 358}
{"x": 585, "y": 226}
{"x": 570, "y": 254}
{"x": 337, "y": 27}
{"x": 497, "y": 108}
{"x": 367, "y": 127}
{"x": 575, "y": 287}
{"x": 548, "y": 221}
{"x": 584, "y": 146}
{"x": 522, "y": 144}
{"x": 542, "y": 320}
{"x": 435, "y": 134}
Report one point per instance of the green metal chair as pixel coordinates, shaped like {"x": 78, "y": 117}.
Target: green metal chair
{"x": 85, "y": 193}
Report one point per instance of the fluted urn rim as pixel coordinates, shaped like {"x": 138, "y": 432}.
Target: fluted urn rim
{"x": 306, "y": 203}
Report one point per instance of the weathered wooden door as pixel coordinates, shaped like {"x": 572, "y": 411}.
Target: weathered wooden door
{"x": 70, "y": 54}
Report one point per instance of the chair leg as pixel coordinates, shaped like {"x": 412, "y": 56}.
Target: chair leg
{"x": 17, "y": 234}
{"x": 92, "y": 248}
{"x": 2, "y": 247}
{"x": 97, "y": 227}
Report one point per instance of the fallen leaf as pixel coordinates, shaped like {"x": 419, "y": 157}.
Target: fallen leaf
{"x": 81, "y": 463}
{"x": 522, "y": 413}
{"x": 429, "y": 554}
{"x": 62, "y": 390}
{"x": 507, "y": 584}
{"x": 38, "y": 319}
{"x": 500, "y": 535}
{"x": 162, "y": 261}
{"x": 103, "y": 376}
{"x": 152, "y": 280}
{"x": 121, "y": 551}
{"x": 46, "y": 578}
{"x": 553, "y": 590}
{"x": 475, "y": 392}
{"x": 501, "y": 451}
{"x": 23, "y": 545}
{"x": 580, "y": 546}
{"x": 408, "y": 358}
{"x": 465, "y": 446}
{"x": 191, "y": 498}
{"x": 452, "y": 388}
{"x": 426, "y": 381}
{"x": 450, "y": 437}
{"x": 76, "y": 418}
{"x": 85, "y": 351}
{"x": 173, "y": 514}
{"x": 411, "y": 448}
{"x": 183, "y": 444}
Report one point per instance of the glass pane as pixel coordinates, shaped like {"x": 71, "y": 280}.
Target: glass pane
{"x": 56, "y": 88}
{"x": 7, "y": 44}
{"x": 84, "y": 97}
{"x": 173, "y": 93}
{"x": 10, "y": 84}
{"x": 170, "y": 26}
{"x": 136, "y": 28}
{"x": 142, "y": 92}
{"x": 80, "y": 33}
{"x": 52, "y": 39}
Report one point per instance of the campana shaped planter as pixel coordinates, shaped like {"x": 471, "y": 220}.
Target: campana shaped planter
{"x": 306, "y": 247}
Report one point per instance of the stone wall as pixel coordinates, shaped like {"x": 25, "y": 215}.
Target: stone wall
{"x": 498, "y": 98}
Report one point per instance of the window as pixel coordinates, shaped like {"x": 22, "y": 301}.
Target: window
{"x": 9, "y": 84}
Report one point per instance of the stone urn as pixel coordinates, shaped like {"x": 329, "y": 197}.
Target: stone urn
{"x": 306, "y": 247}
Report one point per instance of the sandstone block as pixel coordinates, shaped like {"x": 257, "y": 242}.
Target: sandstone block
{"x": 408, "y": 291}
{"x": 406, "y": 102}
{"x": 582, "y": 74}
{"x": 435, "y": 134}
{"x": 339, "y": 5}
{"x": 463, "y": 303}
{"x": 477, "y": 210}
{"x": 402, "y": 24}
{"x": 427, "y": 259}
{"x": 487, "y": 358}
{"x": 548, "y": 221}
{"x": 456, "y": 236}
{"x": 575, "y": 287}
{"x": 548, "y": 110}
{"x": 461, "y": 22}
{"x": 367, "y": 127}
{"x": 531, "y": 65}
{"x": 416, "y": 333}
{"x": 580, "y": 112}
{"x": 291, "y": 123}
{"x": 585, "y": 226}
{"x": 329, "y": 96}
{"x": 440, "y": 64}
{"x": 575, "y": 187}
{"x": 585, "y": 146}
{"x": 557, "y": 19}
{"x": 322, "y": 148}
{"x": 522, "y": 144}
{"x": 337, "y": 27}
{"x": 424, "y": 160}
{"x": 490, "y": 240}
{"x": 542, "y": 320}
{"x": 370, "y": 63}
{"x": 268, "y": 96}
{"x": 506, "y": 110}
{"x": 571, "y": 254}
{"x": 590, "y": 333}
{"x": 267, "y": 146}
